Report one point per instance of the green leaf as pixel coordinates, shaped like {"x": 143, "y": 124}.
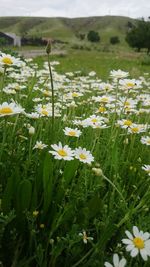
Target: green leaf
{"x": 24, "y": 194}
{"x": 47, "y": 182}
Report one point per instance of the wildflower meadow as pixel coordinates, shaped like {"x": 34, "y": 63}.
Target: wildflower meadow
{"x": 74, "y": 166}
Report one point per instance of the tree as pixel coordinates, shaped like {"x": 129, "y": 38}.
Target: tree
{"x": 114, "y": 40}
{"x": 139, "y": 36}
{"x": 93, "y": 36}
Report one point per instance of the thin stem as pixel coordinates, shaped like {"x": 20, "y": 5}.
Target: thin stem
{"x": 83, "y": 258}
{"x": 3, "y": 81}
{"x": 52, "y": 88}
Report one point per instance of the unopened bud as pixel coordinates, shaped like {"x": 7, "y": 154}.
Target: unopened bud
{"x": 97, "y": 171}
{"x": 126, "y": 141}
{"x": 48, "y": 47}
{"x": 31, "y": 130}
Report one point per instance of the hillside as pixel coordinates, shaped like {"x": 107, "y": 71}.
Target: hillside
{"x": 64, "y": 28}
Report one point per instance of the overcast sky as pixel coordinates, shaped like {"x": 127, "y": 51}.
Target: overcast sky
{"x": 75, "y": 8}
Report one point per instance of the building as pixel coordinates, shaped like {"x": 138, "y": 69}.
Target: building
{"x": 10, "y": 39}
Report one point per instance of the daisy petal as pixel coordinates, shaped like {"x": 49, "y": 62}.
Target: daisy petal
{"x": 134, "y": 252}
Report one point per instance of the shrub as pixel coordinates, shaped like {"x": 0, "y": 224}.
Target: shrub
{"x": 114, "y": 40}
{"x": 93, "y": 36}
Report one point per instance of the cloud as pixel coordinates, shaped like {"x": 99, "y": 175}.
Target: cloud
{"x": 75, "y": 8}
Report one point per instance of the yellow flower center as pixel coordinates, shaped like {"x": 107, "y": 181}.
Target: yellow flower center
{"x": 104, "y": 99}
{"x": 127, "y": 103}
{"x": 6, "y": 110}
{"x": 135, "y": 129}
{"x": 7, "y": 60}
{"x": 127, "y": 123}
{"x": 74, "y": 94}
{"x": 82, "y": 156}
{"x": 94, "y": 120}
{"x": 102, "y": 109}
{"x": 138, "y": 242}
{"x": 130, "y": 84}
{"x": 148, "y": 141}
{"x": 44, "y": 112}
{"x": 72, "y": 133}
{"x": 62, "y": 152}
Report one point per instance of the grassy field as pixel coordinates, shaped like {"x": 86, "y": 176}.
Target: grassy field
{"x": 74, "y": 160}
{"x": 100, "y": 62}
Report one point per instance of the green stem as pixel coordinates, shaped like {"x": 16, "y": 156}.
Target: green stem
{"x": 83, "y": 258}
{"x": 52, "y": 88}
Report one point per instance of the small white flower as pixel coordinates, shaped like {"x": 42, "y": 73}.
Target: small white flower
{"x": 85, "y": 237}
{"x": 39, "y": 145}
{"x": 72, "y": 132}
{"x": 61, "y": 152}
{"x": 146, "y": 168}
{"x": 117, "y": 74}
{"x": 136, "y": 128}
{"x": 116, "y": 262}
{"x": 145, "y": 140}
{"x": 83, "y": 155}
{"x": 138, "y": 242}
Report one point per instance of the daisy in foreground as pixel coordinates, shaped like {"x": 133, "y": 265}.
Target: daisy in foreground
{"x": 116, "y": 262}
{"x": 138, "y": 242}
{"x": 8, "y": 60}
{"x": 72, "y": 132}
{"x": 83, "y": 155}
{"x": 10, "y": 109}
{"x": 61, "y": 152}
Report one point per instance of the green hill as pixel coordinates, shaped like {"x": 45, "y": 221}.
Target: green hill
{"x": 66, "y": 29}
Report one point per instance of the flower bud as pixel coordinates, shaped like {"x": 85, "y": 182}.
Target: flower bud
{"x": 97, "y": 171}
{"x": 48, "y": 47}
{"x": 31, "y": 130}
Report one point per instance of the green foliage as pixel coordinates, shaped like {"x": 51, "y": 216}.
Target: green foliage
{"x": 114, "y": 40}
{"x": 139, "y": 36}
{"x": 46, "y": 203}
{"x": 146, "y": 60}
{"x": 93, "y": 36}
{"x": 3, "y": 41}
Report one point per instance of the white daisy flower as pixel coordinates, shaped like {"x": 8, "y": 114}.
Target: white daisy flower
{"x": 116, "y": 262}
{"x": 136, "y": 128}
{"x": 85, "y": 237}
{"x": 8, "y": 60}
{"x": 145, "y": 140}
{"x": 61, "y": 152}
{"x": 138, "y": 242}
{"x": 10, "y": 109}
{"x": 146, "y": 168}
{"x": 124, "y": 123}
{"x": 39, "y": 145}
{"x": 83, "y": 155}
{"x": 72, "y": 132}
{"x": 117, "y": 74}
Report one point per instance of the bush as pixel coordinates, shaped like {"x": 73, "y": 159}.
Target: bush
{"x": 93, "y": 36}
{"x": 114, "y": 40}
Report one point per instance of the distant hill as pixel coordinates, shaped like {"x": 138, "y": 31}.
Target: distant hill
{"x": 66, "y": 29}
